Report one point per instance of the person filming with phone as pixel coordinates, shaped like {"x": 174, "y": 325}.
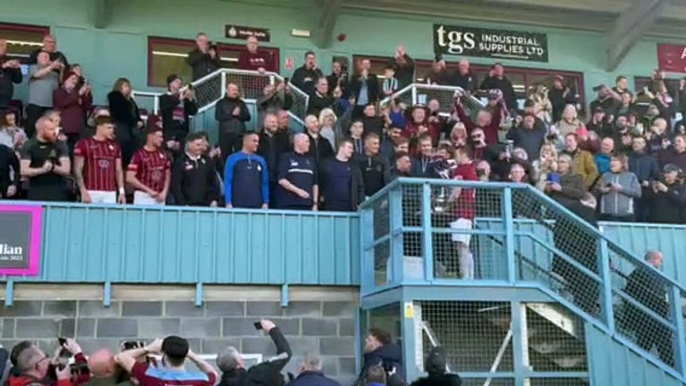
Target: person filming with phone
{"x": 32, "y": 367}
{"x": 175, "y": 351}
{"x": 230, "y": 361}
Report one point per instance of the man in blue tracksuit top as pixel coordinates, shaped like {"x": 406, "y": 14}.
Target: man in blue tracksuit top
{"x": 246, "y": 177}
{"x": 298, "y": 188}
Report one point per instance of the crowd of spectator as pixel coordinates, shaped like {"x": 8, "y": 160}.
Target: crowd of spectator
{"x": 629, "y": 152}
{"x": 163, "y": 362}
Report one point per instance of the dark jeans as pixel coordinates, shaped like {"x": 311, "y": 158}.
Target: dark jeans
{"x": 33, "y": 113}
{"x": 229, "y": 142}
{"x": 338, "y": 206}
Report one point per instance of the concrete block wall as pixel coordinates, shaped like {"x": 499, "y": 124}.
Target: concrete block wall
{"x": 323, "y": 327}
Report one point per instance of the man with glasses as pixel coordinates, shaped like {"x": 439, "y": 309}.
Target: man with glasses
{"x": 32, "y": 368}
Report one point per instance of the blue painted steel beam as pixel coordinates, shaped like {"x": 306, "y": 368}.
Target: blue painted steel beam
{"x": 107, "y": 294}
{"x": 198, "y": 295}
{"x": 9, "y": 293}
{"x": 285, "y": 295}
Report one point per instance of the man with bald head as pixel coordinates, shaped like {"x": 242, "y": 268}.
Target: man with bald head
{"x": 273, "y": 144}
{"x": 649, "y": 290}
{"x": 298, "y": 182}
{"x": 49, "y": 46}
{"x": 10, "y": 74}
{"x": 103, "y": 368}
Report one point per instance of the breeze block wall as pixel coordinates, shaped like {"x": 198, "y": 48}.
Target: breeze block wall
{"x": 323, "y": 327}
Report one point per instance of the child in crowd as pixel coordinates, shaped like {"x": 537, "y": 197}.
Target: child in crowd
{"x": 390, "y": 84}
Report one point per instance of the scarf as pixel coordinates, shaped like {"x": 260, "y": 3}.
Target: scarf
{"x": 390, "y": 85}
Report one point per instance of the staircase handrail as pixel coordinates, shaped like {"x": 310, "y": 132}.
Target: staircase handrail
{"x": 222, "y": 72}
{"x": 414, "y": 87}
{"x": 509, "y": 185}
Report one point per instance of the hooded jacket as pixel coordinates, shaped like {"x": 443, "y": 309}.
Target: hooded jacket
{"x": 439, "y": 380}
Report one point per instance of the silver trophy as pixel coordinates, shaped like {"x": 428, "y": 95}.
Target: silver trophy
{"x": 441, "y": 201}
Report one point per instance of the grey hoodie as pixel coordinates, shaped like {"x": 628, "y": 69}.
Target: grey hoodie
{"x": 619, "y": 203}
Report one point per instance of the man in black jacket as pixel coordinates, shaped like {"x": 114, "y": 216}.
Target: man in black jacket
{"x": 497, "y": 80}
{"x": 645, "y": 286}
{"x": 364, "y": 87}
{"x": 268, "y": 373}
{"x": 305, "y": 77}
{"x": 175, "y": 130}
{"x": 10, "y": 74}
{"x": 232, "y": 114}
{"x": 436, "y": 365}
{"x": 194, "y": 177}
{"x": 273, "y": 144}
{"x": 204, "y": 59}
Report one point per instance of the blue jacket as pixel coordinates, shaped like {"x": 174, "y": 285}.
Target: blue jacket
{"x": 602, "y": 162}
{"x": 246, "y": 181}
{"x": 313, "y": 378}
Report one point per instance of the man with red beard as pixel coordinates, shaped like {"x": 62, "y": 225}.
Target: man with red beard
{"x": 98, "y": 167}
{"x": 45, "y": 162}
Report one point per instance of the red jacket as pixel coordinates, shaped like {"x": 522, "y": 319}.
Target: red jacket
{"x": 411, "y": 132}
{"x": 73, "y": 108}
{"x": 26, "y": 380}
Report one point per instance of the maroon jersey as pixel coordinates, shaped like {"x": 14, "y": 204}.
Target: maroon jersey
{"x": 100, "y": 163}
{"x": 467, "y": 198}
{"x": 150, "y": 167}
{"x": 148, "y": 375}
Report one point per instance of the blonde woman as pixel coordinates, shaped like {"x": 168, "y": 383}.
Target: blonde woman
{"x": 566, "y": 187}
{"x": 327, "y": 122}
{"x": 570, "y": 122}
{"x": 545, "y": 165}
{"x": 543, "y": 108}
{"x": 458, "y": 135}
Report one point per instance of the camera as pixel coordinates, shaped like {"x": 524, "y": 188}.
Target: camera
{"x": 258, "y": 326}
{"x": 132, "y": 344}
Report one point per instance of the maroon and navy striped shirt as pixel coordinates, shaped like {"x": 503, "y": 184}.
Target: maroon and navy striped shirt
{"x": 149, "y": 375}
{"x": 100, "y": 163}
{"x": 150, "y": 167}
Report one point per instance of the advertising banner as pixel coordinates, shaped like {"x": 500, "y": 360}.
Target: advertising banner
{"x": 490, "y": 43}
{"x": 20, "y": 239}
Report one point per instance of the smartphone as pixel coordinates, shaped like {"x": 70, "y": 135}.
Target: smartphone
{"x": 62, "y": 341}
{"x": 286, "y": 80}
{"x": 258, "y": 326}
{"x": 510, "y": 147}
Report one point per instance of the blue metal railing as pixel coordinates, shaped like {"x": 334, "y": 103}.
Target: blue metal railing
{"x": 574, "y": 263}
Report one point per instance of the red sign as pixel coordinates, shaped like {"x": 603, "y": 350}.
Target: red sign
{"x": 289, "y": 64}
{"x": 671, "y": 58}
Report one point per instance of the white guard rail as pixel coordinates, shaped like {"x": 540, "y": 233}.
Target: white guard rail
{"x": 211, "y": 88}
{"x": 421, "y": 94}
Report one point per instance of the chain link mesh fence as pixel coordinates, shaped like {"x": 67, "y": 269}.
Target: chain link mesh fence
{"x": 555, "y": 339}
{"x": 641, "y": 306}
{"x": 475, "y": 335}
{"x": 639, "y": 295}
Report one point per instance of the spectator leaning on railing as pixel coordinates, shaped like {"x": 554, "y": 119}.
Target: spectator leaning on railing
{"x": 194, "y": 178}
{"x": 150, "y": 171}
{"x": 204, "y": 59}
{"x": 246, "y": 177}
{"x": 98, "y": 166}
{"x": 45, "y": 162}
